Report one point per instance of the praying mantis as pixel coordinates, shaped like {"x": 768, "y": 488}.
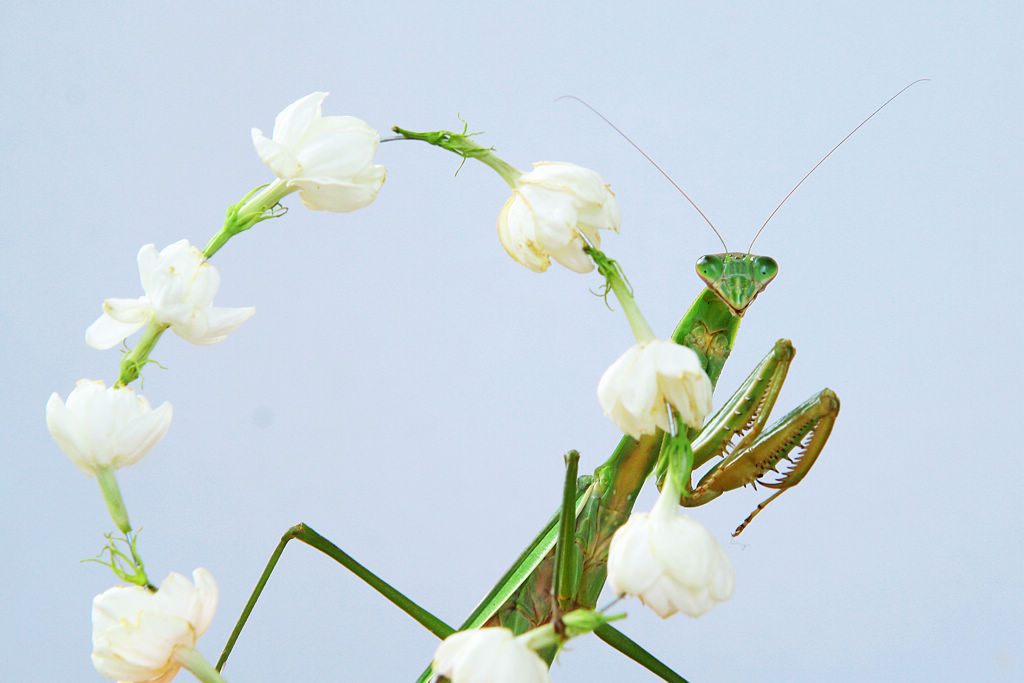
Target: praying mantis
{"x": 746, "y": 449}
{"x": 736, "y": 433}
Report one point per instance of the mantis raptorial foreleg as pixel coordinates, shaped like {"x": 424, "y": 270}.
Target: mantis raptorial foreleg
{"x": 805, "y": 429}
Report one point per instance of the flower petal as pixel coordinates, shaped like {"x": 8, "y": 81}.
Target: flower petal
{"x": 327, "y": 194}
{"x": 488, "y": 655}
{"x": 136, "y": 633}
{"x": 338, "y": 147}
{"x": 64, "y": 429}
{"x": 573, "y": 257}
{"x": 685, "y": 550}
{"x": 106, "y": 333}
{"x": 291, "y": 124}
{"x": 142, "y": 433}
{"x": 128, "y": 311}
{"x": 582, "y": 183}
{"x": 552, "y": 208}
{"x": 515, "y": 230}
{"x": 669, "y": 561}
{"x": 99, "y": 427}
{"x": 204, "y": 284}
{"x": 147, "y": 260}
{"x": 278, "y": 157}
{"x": 207, "y": 595}
{"x": 634, "y": 390}
{"x": 328, "y": 158}
{"x": 631, "y": 569}
{"x": 211, "y": 326}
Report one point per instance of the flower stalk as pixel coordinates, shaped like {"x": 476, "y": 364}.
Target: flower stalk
{"x": 677, "y": 454}
{"x": 136, "y": 359}
{"x": 112, "y": 495}
{"x": 615, "y": 280}
{"x": 256, "y": 206}
{"x": 463, "y": 145}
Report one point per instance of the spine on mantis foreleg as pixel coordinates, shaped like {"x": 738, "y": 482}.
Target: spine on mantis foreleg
{"x": 709, "y": 328}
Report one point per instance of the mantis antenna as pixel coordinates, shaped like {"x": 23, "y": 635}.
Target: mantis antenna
{"x": 653, "y": 162}
{"x": 848, "y": 136}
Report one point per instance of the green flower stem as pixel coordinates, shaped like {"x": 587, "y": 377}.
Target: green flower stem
{"x": 218, "y": 241}
{"x": 200, "y": 668}
{"x": 463, "y": 145}
{"x": 567, "y": 555}
{"x": 677, "y": 456}
{"x": 256, "y": 206}
{"x": 112, "y": 495}
{"x": 133, "y": 362}
{"x": 616, "y": 282}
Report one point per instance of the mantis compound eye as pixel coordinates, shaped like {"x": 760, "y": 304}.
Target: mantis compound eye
{"x": 764, "y": 268}
{"x": 710, "y": 267}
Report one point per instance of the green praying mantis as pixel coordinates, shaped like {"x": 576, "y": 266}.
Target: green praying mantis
{"x": 748, "y": 452}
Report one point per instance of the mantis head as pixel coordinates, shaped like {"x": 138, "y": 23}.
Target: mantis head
{"x": 737, "y": 278}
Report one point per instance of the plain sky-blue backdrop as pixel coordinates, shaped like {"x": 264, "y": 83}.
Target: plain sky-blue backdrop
{"x": 408, "y": 390}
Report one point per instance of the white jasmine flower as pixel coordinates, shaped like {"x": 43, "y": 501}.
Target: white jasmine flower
{"x": 489, "y": 655}
{"x": 549, "y": 208}
{"x": 328, "y": 158}
{"x": 180, "y": 285}
{"x": 101, "y": 428}
{"x": 669, "y": 561}
{"x": 633, "y": 391}
{"x": 140, "y": 636}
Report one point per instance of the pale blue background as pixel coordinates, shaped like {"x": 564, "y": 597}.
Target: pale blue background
{"x": 408, "y": 390}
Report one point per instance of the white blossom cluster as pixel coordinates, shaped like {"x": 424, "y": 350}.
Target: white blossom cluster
{"x": 555, "y": 212}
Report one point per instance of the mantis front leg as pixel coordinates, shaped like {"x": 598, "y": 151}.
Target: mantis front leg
{"x": 806, "y": 428}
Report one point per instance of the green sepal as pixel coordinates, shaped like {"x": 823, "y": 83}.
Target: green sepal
{"x": 462, "y": 145}
{"x": 127, "y": 568}
{"x": 257, "y": 206}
